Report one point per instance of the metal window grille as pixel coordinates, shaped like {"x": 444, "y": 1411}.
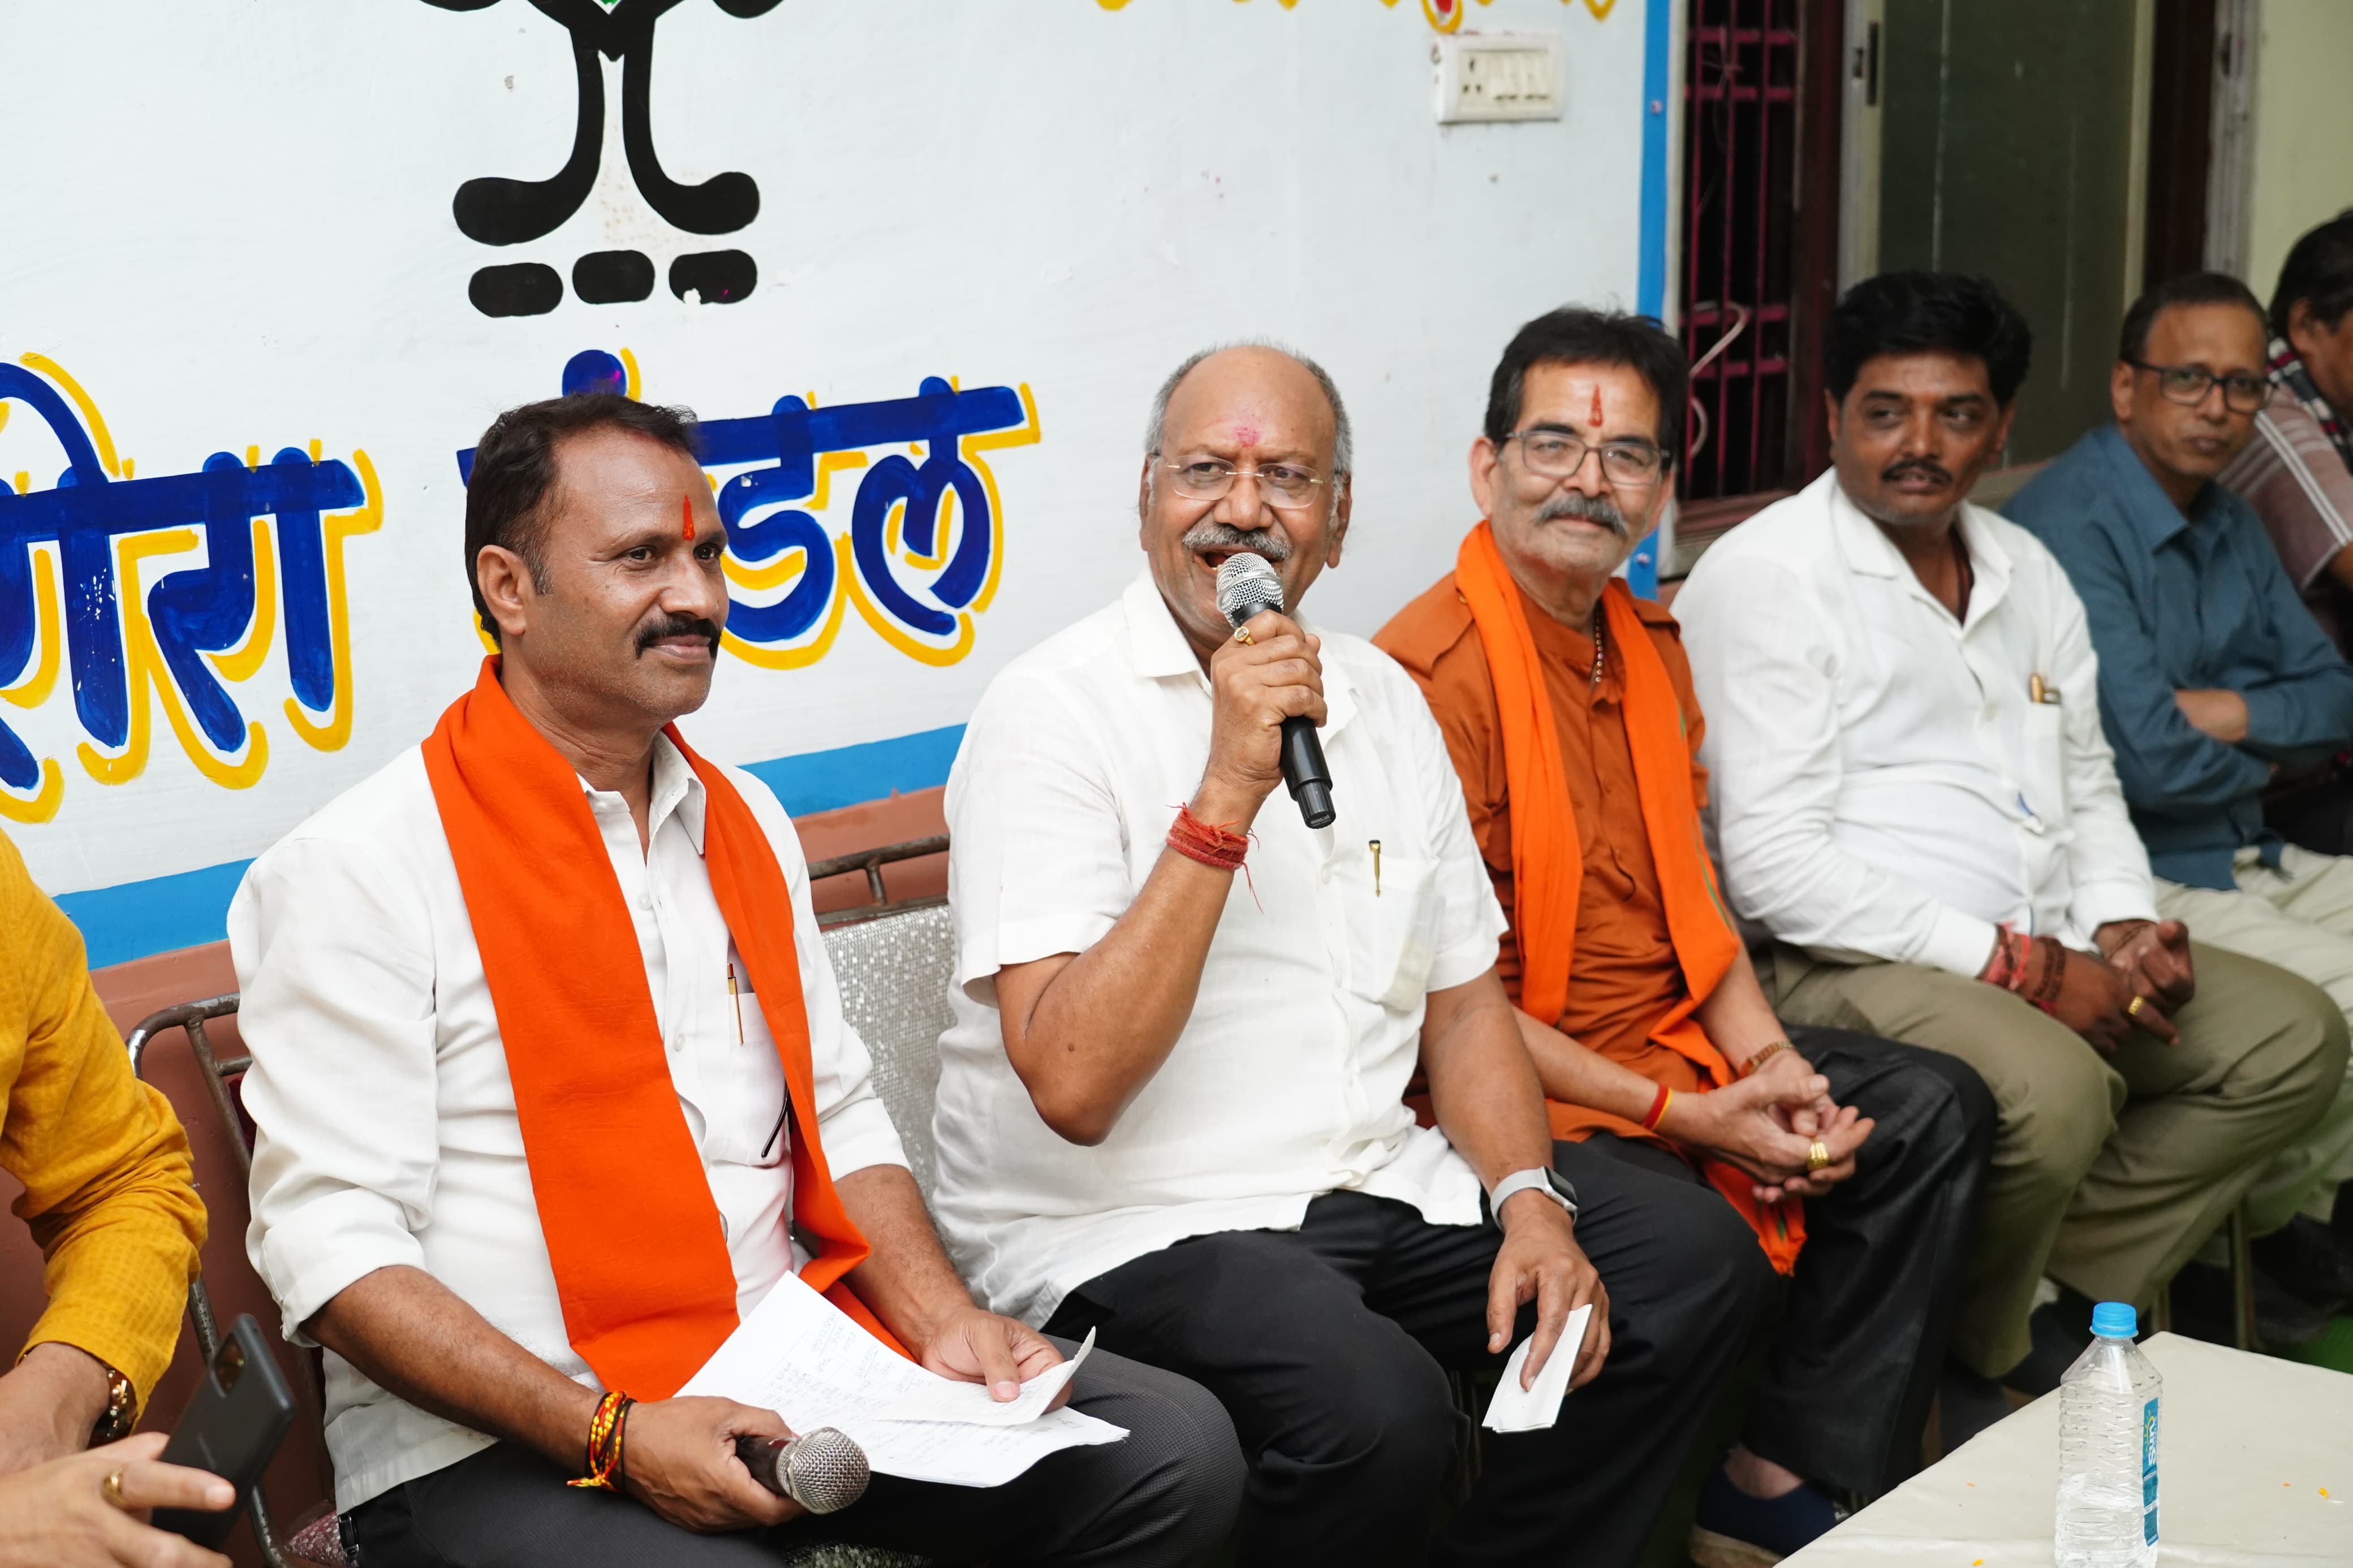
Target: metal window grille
{"x": 1741, "y": 89}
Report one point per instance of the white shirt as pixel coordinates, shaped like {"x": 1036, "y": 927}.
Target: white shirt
{"x": 1884, "y": 785}
{"x": 1287, "y": 1081}
{"x": 387, "y": 1120}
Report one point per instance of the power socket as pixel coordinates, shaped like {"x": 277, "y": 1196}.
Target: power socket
{"x": 1499, "y": 75}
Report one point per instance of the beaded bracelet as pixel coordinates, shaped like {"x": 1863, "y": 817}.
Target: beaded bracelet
{"x": 1748, "y": 1068}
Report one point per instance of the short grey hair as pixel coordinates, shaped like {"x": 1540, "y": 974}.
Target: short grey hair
{"x": 1343, "y": 445}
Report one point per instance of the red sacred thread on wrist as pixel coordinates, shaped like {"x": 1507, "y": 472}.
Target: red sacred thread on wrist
{"x": 604, "y": 1430}
{"x": 1210, "y": 843}
{"x": 1659, "y": 1104}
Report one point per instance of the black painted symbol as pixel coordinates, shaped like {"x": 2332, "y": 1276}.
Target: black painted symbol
{"x": 496, "y": 210}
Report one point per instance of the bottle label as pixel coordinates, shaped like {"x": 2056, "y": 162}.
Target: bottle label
{"x": 2148, "y": 1473}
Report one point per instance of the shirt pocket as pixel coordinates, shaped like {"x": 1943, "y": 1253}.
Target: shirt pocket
{"x": 745, "y": 1125}
{"x": 2043, "y": 743}
{"x": 1392, "y": 922}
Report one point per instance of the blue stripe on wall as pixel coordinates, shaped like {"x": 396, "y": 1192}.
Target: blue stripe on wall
{"x": 821, "y": 781}
{"x": 1650, "y": 265}
{"x": 133, "y": 920}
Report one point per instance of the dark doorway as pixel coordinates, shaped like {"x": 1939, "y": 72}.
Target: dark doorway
{"x": 1761, "y": 83}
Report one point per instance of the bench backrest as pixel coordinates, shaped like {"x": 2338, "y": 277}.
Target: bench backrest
{"x": 894, "y": 973}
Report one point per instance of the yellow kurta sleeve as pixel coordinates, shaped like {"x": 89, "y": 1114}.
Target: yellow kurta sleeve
{"x": 104, "y": 1162}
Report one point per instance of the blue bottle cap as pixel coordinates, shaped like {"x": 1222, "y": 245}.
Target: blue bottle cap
{"x": 2115, "y": 1320}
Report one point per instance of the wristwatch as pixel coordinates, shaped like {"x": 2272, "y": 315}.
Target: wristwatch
{"x": 121, "y": 1412}
{"x": 1537, "y": 1178}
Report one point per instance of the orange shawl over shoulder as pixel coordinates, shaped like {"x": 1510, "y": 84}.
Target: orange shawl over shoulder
{"x": 1547, "y": 861}
{"x": 641, "y": 1263}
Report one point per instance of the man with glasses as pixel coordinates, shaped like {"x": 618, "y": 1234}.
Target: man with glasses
{"x": 1173, "y": 1102}
{"x": 2213, "y": 680}
{"x": 1911, "y": 794}
{"x": 1568, "y": 709}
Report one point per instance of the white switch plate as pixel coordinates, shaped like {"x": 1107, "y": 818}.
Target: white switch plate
{"x": 1499, "y": 75}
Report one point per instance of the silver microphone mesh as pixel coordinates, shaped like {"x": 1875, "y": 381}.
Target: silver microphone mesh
{"x": 824, "y": 1471}
{"x": 1247, "y": 584}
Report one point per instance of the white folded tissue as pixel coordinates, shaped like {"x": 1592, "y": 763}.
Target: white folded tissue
{"x": 1516, "y": 1409}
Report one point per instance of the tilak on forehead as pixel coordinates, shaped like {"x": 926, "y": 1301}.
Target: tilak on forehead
{"x": 1595, "y": 417}
{"x": 686, "y": 510}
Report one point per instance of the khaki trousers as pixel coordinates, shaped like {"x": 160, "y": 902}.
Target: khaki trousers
{"x": 2300, "y": 918}
{"x": 2107, "y": 1172}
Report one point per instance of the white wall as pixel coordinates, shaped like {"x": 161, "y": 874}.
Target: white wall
{"x": 2303, "y": 157}
{"x": 231, "y": 223}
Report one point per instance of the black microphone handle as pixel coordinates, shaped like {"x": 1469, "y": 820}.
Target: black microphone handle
{"x": 1305, "y": 772}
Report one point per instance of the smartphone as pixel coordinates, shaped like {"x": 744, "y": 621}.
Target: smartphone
{"x": 231, "y": 1428}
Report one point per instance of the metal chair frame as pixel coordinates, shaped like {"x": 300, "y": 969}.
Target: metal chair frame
{"x": 191, "y": 1016}
{"x": 871, "y": 862}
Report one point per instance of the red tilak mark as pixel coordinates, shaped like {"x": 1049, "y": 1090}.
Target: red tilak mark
{"x": 686, "y": 510}
{"x": 1246, "y": 435}
{"x": 1595, "y": 417}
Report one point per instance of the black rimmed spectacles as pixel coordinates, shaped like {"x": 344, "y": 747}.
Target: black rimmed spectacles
{"x": 2187, "y": 384}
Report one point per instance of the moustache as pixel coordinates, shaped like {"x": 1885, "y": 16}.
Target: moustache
{"x": 1266, "y": 542}
{"x": 1586, "y": 508}
{"x": 670, "y": 626}
{"x": 1924, "y": 468}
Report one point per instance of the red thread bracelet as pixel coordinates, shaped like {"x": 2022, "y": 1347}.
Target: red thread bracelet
{"x": 1658, "y": 1109}
{"x": 1210, "y": 843}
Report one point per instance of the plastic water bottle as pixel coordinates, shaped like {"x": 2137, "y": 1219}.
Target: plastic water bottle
{"x": 2108, "y": 1450}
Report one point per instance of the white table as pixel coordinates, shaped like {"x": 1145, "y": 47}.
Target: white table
{"x": 2254, "y": 1470}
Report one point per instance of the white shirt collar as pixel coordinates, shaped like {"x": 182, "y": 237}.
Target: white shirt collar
{"x": 675, "y": 789}
{"x": 1869, "y": 552}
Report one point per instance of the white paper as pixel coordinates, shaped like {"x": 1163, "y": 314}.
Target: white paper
{"x": 944, "y": 1399}
{"x": 798, "y": 1355}
{"x": 1515, "y": 1409}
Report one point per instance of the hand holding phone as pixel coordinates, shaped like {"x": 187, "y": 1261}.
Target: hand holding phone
{"x": 232, "y": 1427}
{"x": 62, "y": 1514}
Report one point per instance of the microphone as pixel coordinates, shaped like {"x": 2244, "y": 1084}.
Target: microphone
{"x": 824, "y": 1471}
{"x": 1247, "y": 584}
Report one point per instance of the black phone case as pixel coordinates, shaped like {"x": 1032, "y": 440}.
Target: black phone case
{"x": 232, "y": 1427}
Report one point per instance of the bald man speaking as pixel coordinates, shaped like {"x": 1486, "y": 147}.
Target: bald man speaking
{"x": 1173, "y": 1102}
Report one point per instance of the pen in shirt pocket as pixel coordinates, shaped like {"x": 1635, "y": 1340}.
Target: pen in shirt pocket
{"x": 736, "y": 998}
{"x": 2040, "y": 691}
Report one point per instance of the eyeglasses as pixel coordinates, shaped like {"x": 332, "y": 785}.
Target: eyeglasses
{"x": 1555, "y": 455}
{"x": 2187, "y": 384}
{"x": 1211, "y": 478}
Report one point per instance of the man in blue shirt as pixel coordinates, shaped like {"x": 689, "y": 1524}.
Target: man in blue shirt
{"x": 2213, "y": 678}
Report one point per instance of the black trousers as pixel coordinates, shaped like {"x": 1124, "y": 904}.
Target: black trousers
{"x": 2313, "y": 810}
{"x": 1329, "y": 1346}
{"x": 1166, "y": 1496}
{"x": 1845, "y": 1394}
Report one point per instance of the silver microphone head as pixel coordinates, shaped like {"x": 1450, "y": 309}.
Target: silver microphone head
{"x": 823, "y": 1470}
{"x": 1246, "y": 586}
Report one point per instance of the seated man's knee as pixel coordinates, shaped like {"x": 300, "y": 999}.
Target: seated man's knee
{"x": 2054, "y": 1124}
{"x": 1188, "y": 1467}
{"x": 1387, "y": 1421}
{"x": 2295, "y": 1043}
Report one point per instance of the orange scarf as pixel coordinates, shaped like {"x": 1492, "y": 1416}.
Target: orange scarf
{"x": 1548, "y": 861}
{"x": 641, "y": 1260}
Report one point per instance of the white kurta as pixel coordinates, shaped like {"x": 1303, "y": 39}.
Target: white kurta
{"x": 387, "y": 1120}
{"x": 1287, "y": 1081}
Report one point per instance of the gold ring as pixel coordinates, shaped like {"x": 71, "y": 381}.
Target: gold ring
{"x": 1816, "y": 1156}
{"x": 1241, "y": 636}
{"x": 2133, "y": 1007}
{"x": 112, "y": 1488}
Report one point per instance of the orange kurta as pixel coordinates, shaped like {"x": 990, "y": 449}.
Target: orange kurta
{"x": 1624, "y": 977}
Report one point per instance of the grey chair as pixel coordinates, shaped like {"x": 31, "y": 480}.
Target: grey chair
{"x": 895, "y": 970}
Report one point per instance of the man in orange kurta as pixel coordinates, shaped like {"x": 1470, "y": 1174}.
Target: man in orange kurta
{"x": 1568, "y": 708}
